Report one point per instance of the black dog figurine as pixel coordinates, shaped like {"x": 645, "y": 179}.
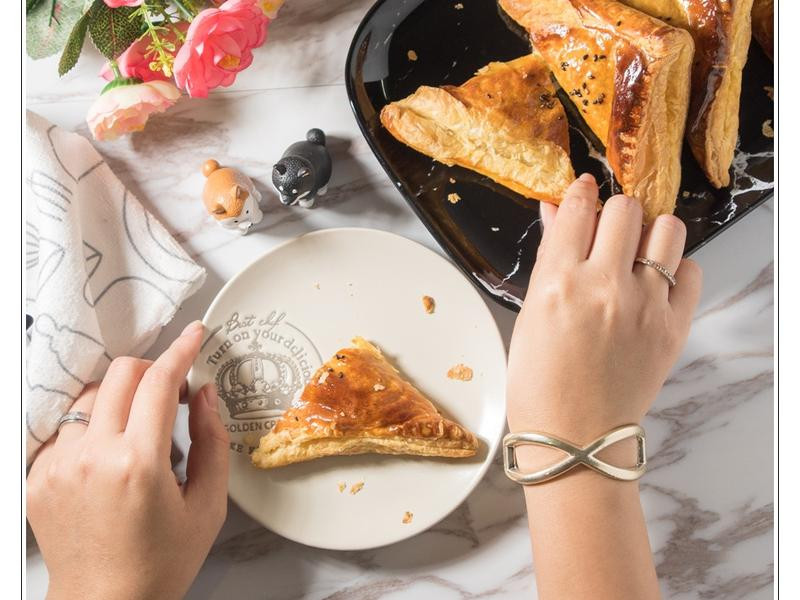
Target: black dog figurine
{"x": 303, "y": 171}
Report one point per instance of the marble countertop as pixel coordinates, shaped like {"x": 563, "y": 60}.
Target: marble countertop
{"x": 709, "y": 494}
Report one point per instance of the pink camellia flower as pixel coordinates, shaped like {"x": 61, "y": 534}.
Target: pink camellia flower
{"x": 135, "y": 61}
{"x": 126, "y": 107}
{"x": 118, "y": 3}
{"x": 218, "y": 45}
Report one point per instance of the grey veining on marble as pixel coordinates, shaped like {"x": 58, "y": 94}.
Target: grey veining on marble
{"x": 708, "y": 497}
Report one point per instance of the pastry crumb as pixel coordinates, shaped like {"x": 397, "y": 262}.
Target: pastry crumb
{"x": 342, "y": 486}
{"x": 429, "y": 304}
{"x": 453, "y": 198}
{"x": 458, "y": 6}
{"x": 412, "y": 55}
{"x": 452, "y": 180}
{"x": 408, "y": 517}
{"x": 685, "y": 194}
{"x": 495, "y": 229}
{"x": 766, "y": 129}
{"x": 770, "y": 91}
{"x": 322, "y": 378}
{"x": 378, "y": 387}
{"x": 460, "y": 372}
{"x": 316, "y": 285}
{"x": 356, "y": 487}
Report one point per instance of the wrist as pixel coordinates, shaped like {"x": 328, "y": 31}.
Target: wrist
{"x": 583, "y": 487}
{"x": 583, "y": 518}
{"x": 577, "y": 422}
{"x": 86, "y": 590}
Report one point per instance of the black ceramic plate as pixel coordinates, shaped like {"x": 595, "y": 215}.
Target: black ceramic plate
{"x": 492, "y": 233}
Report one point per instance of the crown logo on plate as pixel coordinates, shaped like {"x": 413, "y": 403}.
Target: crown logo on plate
{"x": 258, "y": 384}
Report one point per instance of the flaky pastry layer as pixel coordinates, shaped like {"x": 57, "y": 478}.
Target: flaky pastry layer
{"x": 505, "y": 123}
{"x": 284, "y": 449}
{"x": 721, "y": 33}
{"x": 628, "y": 76}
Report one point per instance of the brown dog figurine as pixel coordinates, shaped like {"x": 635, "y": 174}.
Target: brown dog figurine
{"x": 230, "y": 197}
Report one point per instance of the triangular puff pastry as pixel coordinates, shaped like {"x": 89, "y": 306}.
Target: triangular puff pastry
{"x": 357, "y": 403}
{"x": 628, "y": 75}
{"x": 506, "y": 123}
{"x": 721, "y": 32}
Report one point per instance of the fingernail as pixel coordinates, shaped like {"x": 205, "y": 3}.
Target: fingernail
{"x": 210, "y": 395}
{"x": 587, "y": 177}
{"x": 191, "y": 328}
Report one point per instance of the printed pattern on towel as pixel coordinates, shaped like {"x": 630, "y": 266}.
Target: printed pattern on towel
{"x": 103, "y": 276}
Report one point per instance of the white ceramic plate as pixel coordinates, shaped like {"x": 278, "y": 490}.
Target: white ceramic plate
{"x": 274, "y": 323}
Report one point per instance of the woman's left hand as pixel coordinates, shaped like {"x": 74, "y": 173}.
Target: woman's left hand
{"x": 108, "y": 515}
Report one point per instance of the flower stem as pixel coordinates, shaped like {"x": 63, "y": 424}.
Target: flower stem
{"x": 115, "y": 69}
{"x": 186, "y": 9}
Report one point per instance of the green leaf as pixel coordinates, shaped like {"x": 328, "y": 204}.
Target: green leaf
{"x": 120, "y": 82}
{"x": 48, "y": 25}
{"x": 113, "y": 29}
{"x": 72, "y": 50}
{"x": 31, "y": 4}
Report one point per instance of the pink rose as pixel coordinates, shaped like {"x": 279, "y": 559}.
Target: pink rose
{"x": 118, "y": 3}
{"x": 127, "y": 107}
{"x": 135, "y": 61}
{"x": 218, "y": 45}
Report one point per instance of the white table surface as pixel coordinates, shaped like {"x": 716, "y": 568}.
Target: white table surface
{"x": 709, "y": 494}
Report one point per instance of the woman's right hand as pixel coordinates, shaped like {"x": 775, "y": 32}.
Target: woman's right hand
{"x": 592, "y": 346}
{"x": 598, "y": 333}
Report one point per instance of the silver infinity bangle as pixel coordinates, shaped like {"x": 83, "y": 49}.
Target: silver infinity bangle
{"x": 576, "y": 455}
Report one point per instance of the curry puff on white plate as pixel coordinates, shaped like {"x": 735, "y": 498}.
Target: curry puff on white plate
{"x": 272, "y": 332}
{"x": 357, "y": 403}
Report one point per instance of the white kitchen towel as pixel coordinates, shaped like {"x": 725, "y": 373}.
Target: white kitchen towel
{"x": 102, "y": 275}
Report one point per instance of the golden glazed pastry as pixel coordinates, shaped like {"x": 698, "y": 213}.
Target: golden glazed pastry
{"x": 357, "y": 403}
{"x": 628, "y": 75}
{"x": 505, "y": 123}
{"x": 764, "y": 25}
{"x": 721, "y": 33}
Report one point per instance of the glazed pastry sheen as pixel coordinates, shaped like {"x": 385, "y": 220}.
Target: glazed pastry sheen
{"x": 764, "y": 25}
{"x": 721, "y": 33}
{"x": 628, "y": 75}
{"x": 505, "y": 123}
{"x": 357, "y": 403}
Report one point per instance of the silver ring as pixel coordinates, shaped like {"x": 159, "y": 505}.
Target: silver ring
{"x": 658, "y": 267}
{"x": 74, "y": 417}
